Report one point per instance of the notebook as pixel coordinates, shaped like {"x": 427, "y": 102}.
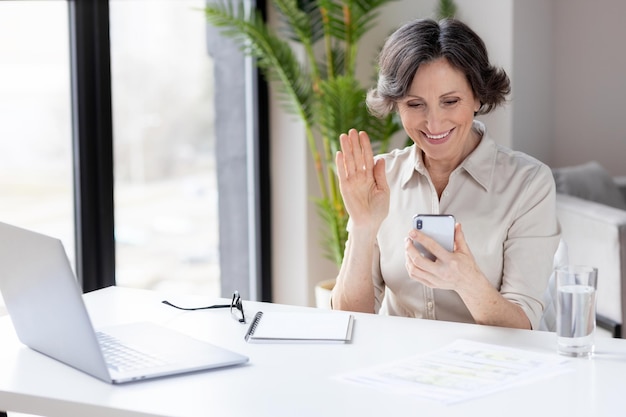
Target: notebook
{"x": 48, "y": 313}
{"x": 300, "y": 327}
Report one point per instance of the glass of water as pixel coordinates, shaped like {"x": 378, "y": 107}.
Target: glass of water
{"x": 576, "y": 309}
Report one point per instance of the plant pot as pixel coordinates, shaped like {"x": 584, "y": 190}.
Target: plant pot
{"x": 323, "y": 290}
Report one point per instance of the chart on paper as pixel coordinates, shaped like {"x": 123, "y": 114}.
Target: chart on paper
{"x": 460, "y": 371}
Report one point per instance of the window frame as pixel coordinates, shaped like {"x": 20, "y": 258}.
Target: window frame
{"x": 242, "y": 151}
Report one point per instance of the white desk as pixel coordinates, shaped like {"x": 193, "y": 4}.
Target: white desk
{"x": 295, "y": 379}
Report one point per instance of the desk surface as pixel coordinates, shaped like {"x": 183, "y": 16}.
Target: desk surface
{"x": 295, "y": 379}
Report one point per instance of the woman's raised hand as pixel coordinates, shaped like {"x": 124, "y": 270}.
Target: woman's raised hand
{"x": 362, "y": 182}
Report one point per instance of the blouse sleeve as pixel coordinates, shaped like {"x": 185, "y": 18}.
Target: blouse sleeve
{"x": 530, "y": 245}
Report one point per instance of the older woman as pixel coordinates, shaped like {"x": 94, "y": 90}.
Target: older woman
{"x": 437, "y": 76}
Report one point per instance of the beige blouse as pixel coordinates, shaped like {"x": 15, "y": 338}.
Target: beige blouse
{"x": 505, "y": 201}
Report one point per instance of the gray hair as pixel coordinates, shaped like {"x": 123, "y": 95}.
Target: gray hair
{"x": 426, "y": 40}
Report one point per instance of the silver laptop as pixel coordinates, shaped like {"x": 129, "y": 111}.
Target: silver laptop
{"x": 46, "y": 306}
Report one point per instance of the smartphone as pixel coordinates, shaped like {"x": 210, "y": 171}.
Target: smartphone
{"x": 440, "y": 227}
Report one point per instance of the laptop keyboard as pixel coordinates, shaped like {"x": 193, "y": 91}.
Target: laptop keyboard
{"x": 125, "y": 358}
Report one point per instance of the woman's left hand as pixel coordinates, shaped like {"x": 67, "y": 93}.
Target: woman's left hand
{"x": 456, "y": 270}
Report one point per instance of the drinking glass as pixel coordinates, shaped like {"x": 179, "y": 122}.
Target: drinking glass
{"x": 576, "y": 309}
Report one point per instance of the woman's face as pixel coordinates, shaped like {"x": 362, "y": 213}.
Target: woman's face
{"x": 438, "y": 111}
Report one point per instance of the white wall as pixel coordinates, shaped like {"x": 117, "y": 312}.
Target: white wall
{"x": 492, "y": 21}
{"x": 532, "y": 79}
{"x": 291, "y": 173}
{"x": 590, "y": 83}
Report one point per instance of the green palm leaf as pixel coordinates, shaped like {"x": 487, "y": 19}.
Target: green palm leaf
{"x": 274, "y": 55}
{"x": 321, "y": 87}
{"x": 301, "y": 21}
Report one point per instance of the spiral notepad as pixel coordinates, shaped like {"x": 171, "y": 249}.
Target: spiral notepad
{"x": 305, "y": 327}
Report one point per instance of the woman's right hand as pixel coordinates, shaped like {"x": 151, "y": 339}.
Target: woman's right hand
{"x": 365, "y": 192}
{"x": 362, "y": 182}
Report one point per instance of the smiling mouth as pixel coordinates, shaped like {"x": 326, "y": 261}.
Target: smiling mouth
{"x": 438, "y": 137}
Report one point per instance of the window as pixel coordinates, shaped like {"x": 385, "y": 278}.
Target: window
{"x": 165, "y": 195}
{"x": 164, "y": 152}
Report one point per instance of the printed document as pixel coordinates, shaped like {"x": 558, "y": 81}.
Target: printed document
{"x": 461, "y": 371}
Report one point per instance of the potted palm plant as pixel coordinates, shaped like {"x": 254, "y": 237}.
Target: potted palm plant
{"x": 322, "y": 90}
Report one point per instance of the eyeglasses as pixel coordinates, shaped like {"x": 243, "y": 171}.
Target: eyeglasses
{"x": 236, "y": 307}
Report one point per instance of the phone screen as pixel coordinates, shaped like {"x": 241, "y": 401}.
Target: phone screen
{"x": 440, "y": 227}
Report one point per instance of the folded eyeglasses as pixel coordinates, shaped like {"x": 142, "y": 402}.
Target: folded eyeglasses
{"x": 236, "y": 307}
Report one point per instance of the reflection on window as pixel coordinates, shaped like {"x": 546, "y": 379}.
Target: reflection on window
{"x": 166, "y": 225}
